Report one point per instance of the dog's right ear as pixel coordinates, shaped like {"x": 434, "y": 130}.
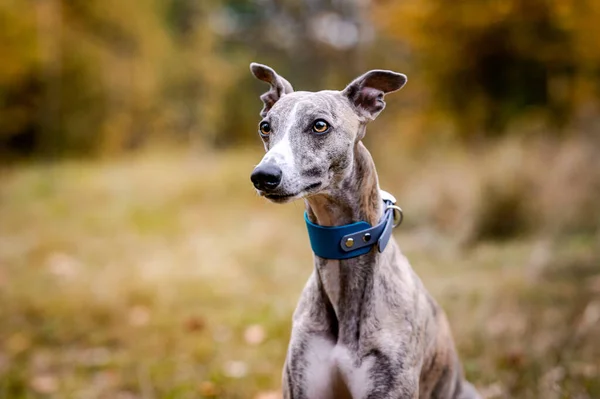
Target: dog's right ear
{"x": 279, "y": 86}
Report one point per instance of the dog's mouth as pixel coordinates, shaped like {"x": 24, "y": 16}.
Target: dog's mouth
{"x": 276, "y": 197}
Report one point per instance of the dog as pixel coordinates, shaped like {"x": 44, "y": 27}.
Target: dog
{"x": 365, "y": 327}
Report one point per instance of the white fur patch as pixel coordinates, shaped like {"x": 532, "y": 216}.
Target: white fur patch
{"x": 356, "y": 378}
{"x": 281, "y": 153}
{"x": 331, "y": 365}
{"x": 320, "y": 372}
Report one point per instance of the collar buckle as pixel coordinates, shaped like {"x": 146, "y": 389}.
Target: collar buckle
{"x": 398, "y": 214}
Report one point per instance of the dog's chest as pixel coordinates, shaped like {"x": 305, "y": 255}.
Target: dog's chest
{"x": 333, "y": 371}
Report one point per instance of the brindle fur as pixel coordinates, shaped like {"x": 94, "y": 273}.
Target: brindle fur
{"x": 364, "y": 328}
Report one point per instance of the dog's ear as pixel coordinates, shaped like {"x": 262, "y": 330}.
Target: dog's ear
{"x": 279, "y": 86}
{"x": 366, "y": 92}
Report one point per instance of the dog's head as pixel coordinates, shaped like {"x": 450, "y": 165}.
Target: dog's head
{"x": 310, "y": 137}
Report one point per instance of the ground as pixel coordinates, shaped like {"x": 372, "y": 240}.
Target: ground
{"x": 166, "y": 276}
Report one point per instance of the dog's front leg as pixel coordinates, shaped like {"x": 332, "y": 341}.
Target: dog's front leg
{"x": 286, "y": 384}
{"x": 407, "y": 389}
{"x": 392, "y": 379}
{"x": 294, "y": 384}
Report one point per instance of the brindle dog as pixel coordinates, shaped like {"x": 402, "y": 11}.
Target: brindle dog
{"x": 365, "y": 327}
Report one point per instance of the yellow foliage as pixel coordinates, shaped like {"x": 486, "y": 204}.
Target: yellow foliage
{"x": 487, "y": 63}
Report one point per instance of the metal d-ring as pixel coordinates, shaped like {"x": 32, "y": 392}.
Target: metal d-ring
{"x": 398, "y": 215}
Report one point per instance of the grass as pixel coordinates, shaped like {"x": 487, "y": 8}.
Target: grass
{"x": 165, "y": 276}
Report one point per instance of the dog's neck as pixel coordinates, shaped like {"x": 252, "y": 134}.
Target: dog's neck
{"x": 355, "y": 198}
{"x": 345, "y": 282}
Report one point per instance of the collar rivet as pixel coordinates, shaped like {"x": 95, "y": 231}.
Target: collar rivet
{"x": 367, "y": 237}
{"x": 349, "y": 242}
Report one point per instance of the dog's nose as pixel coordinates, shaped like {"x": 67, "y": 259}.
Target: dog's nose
{"x": 266, "y": 177}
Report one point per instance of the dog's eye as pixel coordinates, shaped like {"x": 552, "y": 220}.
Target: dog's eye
{"x": 320, "y": 126}
{"x": 265, "y": 128}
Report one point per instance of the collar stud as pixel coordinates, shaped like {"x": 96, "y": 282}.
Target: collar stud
{"x": 350, "y": 242}
{"x": 367, "y": 237}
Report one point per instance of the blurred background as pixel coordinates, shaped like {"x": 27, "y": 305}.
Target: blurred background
{"x": 136, "y": 260}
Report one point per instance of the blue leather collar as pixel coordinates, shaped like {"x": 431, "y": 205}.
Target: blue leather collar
{"x": 352, "y": 240}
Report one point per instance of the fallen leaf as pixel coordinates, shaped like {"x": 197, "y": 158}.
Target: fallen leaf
{"x": 268, "y": 395}
{"x": 63, "y": 265}
{"x": 208, "y": 388}
{"x": 492, "y": 391}
{"x": 139, "y": 316}
{"x": 254, "y": 334}
{"x": 44, "y": 384}
{"x": 235, "y": 369}
{"x": 195, "y": 324}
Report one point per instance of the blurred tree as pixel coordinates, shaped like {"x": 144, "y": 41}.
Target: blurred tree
{"x": 20, "y": 84}
{"x": 488, "y": 63}
{"x": 202, "y": 74}
{"x": 85, "y": 76}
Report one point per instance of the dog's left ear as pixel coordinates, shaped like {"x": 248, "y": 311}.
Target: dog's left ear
{"x": 279, "y": 86}
{"x": 366, "y": 92}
